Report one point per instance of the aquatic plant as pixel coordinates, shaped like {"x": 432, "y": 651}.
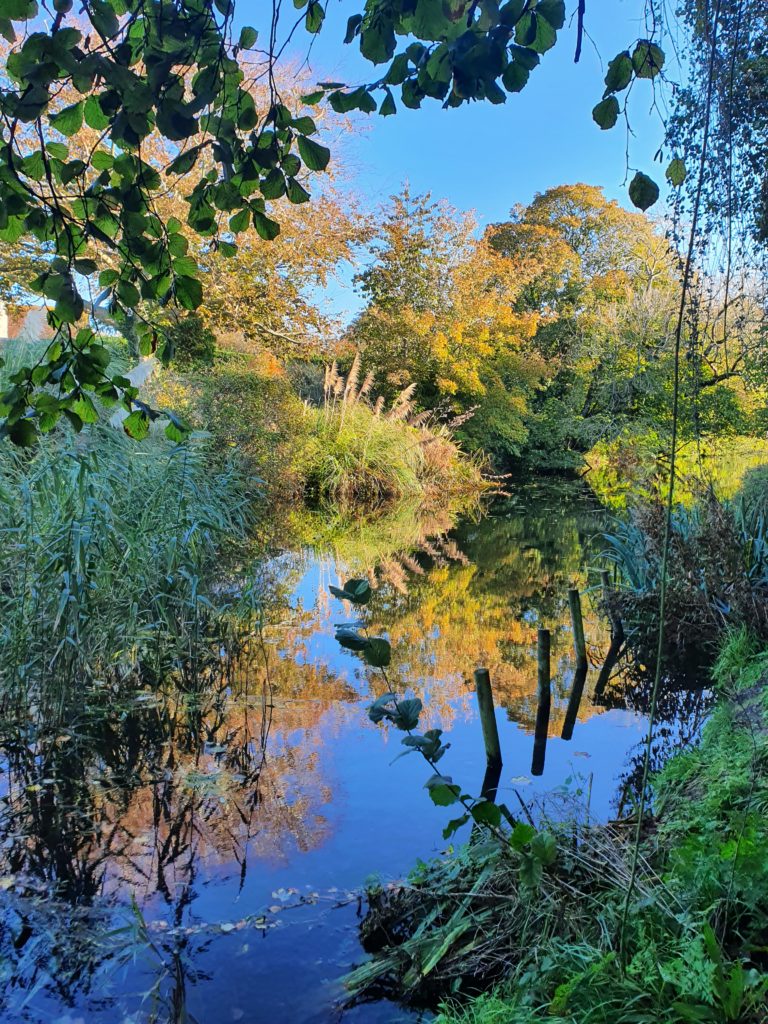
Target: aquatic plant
{"x": 718, "y": 573}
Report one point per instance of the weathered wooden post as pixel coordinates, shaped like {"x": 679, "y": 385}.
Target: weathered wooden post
{"x": 544, "y": 702}
{"x": 611, "y": 659}
{"x": 577, "y": 623}
{"x": 574, "y": 701}
{"x": 488, "y": 717}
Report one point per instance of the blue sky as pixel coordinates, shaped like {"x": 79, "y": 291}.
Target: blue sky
{"x": 487, "y": 158}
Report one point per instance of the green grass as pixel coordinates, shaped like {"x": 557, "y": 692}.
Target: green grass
{"x": 108, "y": 551}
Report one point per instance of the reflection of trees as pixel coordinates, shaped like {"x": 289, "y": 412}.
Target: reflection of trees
{"x": 478, "y": 598}
{"x": 126, "y": 790}
{"x": 681, "y": 710}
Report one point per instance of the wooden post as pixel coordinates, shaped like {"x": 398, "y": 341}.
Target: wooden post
{"x": 610, "y": 663}
{"x": 544, "y": 694}
{"x": 574, "y": 701}
{"x": 577, "y": 622}
{"x": 488, "y": 717}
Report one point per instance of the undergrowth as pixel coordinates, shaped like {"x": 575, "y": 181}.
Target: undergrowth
{"x": 545, "y": 940}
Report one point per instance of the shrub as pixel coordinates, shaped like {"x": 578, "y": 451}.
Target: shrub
{"x": 717, "y": 575}
{"x": 193, "y": 344}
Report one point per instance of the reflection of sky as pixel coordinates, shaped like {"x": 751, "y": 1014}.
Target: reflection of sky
{"x": 367, "y": 812}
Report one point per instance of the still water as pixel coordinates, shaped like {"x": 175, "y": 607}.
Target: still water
{"x": 207, "y": 848}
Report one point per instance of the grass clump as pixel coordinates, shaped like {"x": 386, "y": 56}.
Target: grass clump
{"x": 530, "y": 928}
{"x": 359, "y": 453}
{"x": 347, "y": 453}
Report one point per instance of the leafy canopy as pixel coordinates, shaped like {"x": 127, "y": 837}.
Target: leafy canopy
{"x": 135, "y": 69}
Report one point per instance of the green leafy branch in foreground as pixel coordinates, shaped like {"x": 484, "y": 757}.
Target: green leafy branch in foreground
{"x": 140, "y": 74}
{"x": 537, "y": 849}
{"x": 404, "y": 715}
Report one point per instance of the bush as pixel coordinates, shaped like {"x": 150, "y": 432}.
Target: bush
{"x": 717, "y": 575}
{"x": 193, "y": 344}
{"x": 360, "y": 454}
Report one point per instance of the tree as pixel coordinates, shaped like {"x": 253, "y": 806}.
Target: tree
{"x": 173, "y": 70}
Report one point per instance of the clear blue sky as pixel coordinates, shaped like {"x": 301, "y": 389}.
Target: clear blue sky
{"x": 487, "y": 158}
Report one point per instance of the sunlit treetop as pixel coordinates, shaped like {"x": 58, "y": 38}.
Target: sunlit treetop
{"x": 139, "y": 73}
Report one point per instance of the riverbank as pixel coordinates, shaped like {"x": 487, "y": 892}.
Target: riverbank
{"x": 334, "y": 450}
{"x": 539, "y": 920}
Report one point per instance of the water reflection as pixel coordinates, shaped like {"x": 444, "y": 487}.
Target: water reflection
{"x": 154, "y": 829}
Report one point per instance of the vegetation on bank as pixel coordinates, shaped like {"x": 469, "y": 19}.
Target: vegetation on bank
{"x": 345, "y": 450}
{"x": 717, "y": 571}
{"x": 540, "y": 916}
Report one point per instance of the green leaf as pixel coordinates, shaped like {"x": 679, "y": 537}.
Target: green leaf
{"x": 553, "y": 11}
{"x": 647, "y": 59}
{"x": 23, "y": 433}
{"x": 94, "y": 115}
{"x": 136, "y": 425}
{"x": 33, "y": 166}
{"x": 185, "y": 266}
{"x": 267, "y": 228}
{"x": 379, "y": 710}
{"x": 314, "y": 17}
{"x": 544, "y": 847}
{"x": 359, "y": 590}
{"x": 240, "y": 221}
{"x": 297, "y": 193}
{"x": 619, "y": 73}
{"x": 188, "y": 291}
{"x": 85, "y": 409}
{"x": 485, "y": 812}
{"x": 69, "y": 121}
{"x": 248, "y": 37}
{"x": 353, "y": 27}
{"x": 454, "y": 825}
{"x": 676, "y": 173}
{"x": 388, "y": 106}
{"x": 515, "y": 77}
{"x": 18, "y": 10}
{"x": 521, "y": 835}
{"x": 377, "y": 652}
{"x": 102, "y": 160}
{"x": 606, "y": 113}
{"x": 59, "y": 150}
{"x": 442, "y": 790}
{"x": 350, "y": 639}
{"x": 314, "y": 156}
{"x": 313, "y": 98}
{"x": 643, "y": 191}
{"x": 406, "y": 714}
{"x": 184, "y": 161}
{"x": 530, "y": 872}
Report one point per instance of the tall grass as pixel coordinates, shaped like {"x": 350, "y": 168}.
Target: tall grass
{"x": 107, "y": 552}
{"x": 718, "y": 573}
{"x": 359, "y": 453}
